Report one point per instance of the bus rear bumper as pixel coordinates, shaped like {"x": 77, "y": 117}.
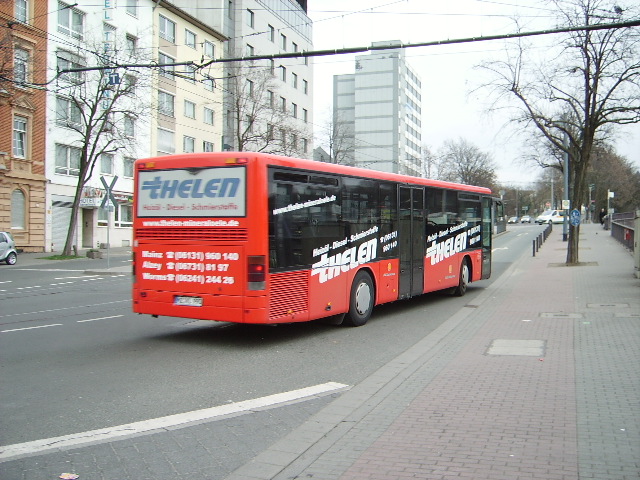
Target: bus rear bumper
{"x": 215, "y": 308}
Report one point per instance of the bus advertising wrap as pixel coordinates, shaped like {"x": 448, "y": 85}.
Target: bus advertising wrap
{"x": 205, "y": 192}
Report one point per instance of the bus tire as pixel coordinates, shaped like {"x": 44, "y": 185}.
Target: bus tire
{"x": 361, "y": 300}
{"x": 463, "y": 282}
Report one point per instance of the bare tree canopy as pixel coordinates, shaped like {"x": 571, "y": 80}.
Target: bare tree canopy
{"x": 572, "y": 99}
{"x": 262, "y": 120}
{"x": 463, "y": 162}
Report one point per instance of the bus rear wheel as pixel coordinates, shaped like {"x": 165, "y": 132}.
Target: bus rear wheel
{"x": 463, "y": 282}
{"x": 361, "y": 301}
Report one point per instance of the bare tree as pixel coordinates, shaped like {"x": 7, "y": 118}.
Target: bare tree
{"x": 261, "y": 120}
{"x": 98, "y": 106}
{"x": 573, "y": 100}
{"x": 463, "y": 162}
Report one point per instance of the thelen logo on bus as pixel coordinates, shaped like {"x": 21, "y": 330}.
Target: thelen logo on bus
{"x": 210, "y": 192}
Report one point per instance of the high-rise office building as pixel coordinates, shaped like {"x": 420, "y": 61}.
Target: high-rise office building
{"x": 378, "y": 114}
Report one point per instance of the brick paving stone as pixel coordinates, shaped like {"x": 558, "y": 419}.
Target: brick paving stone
{"x": 454, "y": 410}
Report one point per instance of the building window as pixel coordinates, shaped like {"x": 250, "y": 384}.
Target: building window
{"x": 294, "y": 45}
{"x": 272, "y": 34}
{"x": 283, "y": 104}
{"x": 18, "y": 209}
{"x": 166, "y": 141}
{"x": 189, "y": 38}
{"x": 305, "y": 87}
{"x": 19, "y": 137}
{"x": 131, "y": 44}
{"x": 283, "y": 42}
{"x": 230, "y": 9}
{"x": 209, "y": 49}
{"x": 207, "y": 146}
{"x": 131, "y": 7}
{"x": 189, "y": 109}
{"x": 190, "y": 73}
{"x": 123, "y": 215}
{"x": 130, "y": 84}
{"x": 68, "y": 114}
{"x": 20, "y": 66}
{"x": 208, "y": 116}
{"x": 294, "y": 110}
{"x": 127, "y": 167}
{"x": 250, "y": 87}
{"x": 167, "y": 29}
{"x": 283, "y": 73}
{"x": 209, "y": 84}
{"x": 106, "y": 164}
{"x": 305, "y": 145}
{"x": 70, "y": 21}
{"x": 68, "y": 160}
{"x": 68, "y": 63}
{"x": 166, "y": 103}
{"x": 188, "y": 144}
{"x": 305, "y": 115}
{"x": 250, "y": 50}
{"x": 272, "y": 98}
{"x": 168, "y": 70}
{"x": 251, "y": 18}
{"x": 129, "y": 126}
{"x": 294, "y": 80}
{"x": 22, "y": 11}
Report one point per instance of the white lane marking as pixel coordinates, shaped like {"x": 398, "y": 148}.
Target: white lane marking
{"x": 9, "y": 452}
{"x": 31, "y": 328}
{"x": 27, "y": 288}
{"x": 66, "y": 278}
{"x": 63, "y": 308}
{"x": 101, "y": 318}
{"x": 7, "y": 281}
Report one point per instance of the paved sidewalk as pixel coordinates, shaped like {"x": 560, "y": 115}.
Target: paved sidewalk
{"x": 538, "y": 378}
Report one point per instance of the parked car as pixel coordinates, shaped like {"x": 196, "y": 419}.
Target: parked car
{"x": 512, "y": 220}
{"x": 525, "y": 219}
{"x": 8, "y": 252}
{"x": 550, "y": 216}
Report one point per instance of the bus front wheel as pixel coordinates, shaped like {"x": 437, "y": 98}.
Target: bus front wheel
{"x": 463, "y": 282}
{"x": 361, "y": 301}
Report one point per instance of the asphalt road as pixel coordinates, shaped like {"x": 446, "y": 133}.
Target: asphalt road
{"x": 74, "y": 358}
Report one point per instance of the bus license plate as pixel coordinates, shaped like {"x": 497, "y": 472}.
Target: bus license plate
{"x": 188, "y": 301}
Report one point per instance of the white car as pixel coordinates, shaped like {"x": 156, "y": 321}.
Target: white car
{"x": 8, "y": 252}
{"x": 550, "y": 216}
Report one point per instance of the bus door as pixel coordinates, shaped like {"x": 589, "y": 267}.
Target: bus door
{"x": 411, "y": 239}
{"x": 487, "y": 226}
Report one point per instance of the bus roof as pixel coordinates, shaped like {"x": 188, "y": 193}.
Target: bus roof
{"x": 214, "y": 158}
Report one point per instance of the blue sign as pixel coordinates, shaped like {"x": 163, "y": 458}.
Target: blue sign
{"x": 574, "y": 217}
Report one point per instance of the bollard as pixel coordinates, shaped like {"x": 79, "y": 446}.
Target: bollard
{"x": 534, "y": 247}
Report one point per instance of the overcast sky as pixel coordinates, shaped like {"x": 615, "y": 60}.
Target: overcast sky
{"x": 452, "y": 107}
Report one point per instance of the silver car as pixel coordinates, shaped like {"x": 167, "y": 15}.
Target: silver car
{"x": 8, "y": 252}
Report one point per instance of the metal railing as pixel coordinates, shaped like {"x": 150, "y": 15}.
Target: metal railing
{"x": 623, "y": 228}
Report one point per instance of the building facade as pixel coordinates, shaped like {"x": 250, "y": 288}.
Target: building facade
{"x": 282, "y": 88}
{"x": 157, "y": 101}
{"x": 23, "y": 37}
{"x": 377, "y": 112}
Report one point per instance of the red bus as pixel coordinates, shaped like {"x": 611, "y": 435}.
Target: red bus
{"x": 256, "y": 238}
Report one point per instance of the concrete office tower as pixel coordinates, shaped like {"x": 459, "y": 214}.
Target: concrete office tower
{"x": 378, "y": 113}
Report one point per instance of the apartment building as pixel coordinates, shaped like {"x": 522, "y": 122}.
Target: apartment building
{"x": 378, "y": 112}
{"x": 158, "y": 100}
{"x": 22, "y": 121}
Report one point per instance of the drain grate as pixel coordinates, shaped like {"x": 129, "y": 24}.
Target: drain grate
{"x": 510, "y": 347}
{"x": 560, "y": 315}
{"x": 607, "y": 305}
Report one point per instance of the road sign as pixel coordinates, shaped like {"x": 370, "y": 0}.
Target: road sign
{"x": 574, "y": 217}
{"x": 108, "y": 198}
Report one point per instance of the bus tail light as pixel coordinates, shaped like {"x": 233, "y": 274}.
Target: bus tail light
{"x": 257, "y": 272}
